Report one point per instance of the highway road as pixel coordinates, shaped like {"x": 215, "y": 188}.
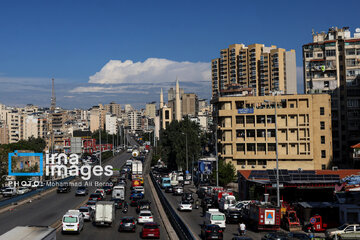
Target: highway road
{"x": 51, "y": 207}
{"x": 194, "y": 219}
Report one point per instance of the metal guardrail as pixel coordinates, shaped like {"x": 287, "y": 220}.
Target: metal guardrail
{"x": 17, "y": 198}
{"x": 179, "y": 226}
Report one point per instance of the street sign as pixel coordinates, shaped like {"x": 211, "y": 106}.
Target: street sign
{"x": 270, "y": 217}
{"x": 280, "y": 185}
{"x": 312, "y": 220}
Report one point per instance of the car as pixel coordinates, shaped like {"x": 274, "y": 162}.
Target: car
{"x": 275, "y": 236}
{"x": 101, "y": 191}
{"x": 211, "y": 231}
{"x": 134, "y": 201}
{"x": 143, "y": 205}
{"x": 241, "y": 238}
{"x": 117, "y": 202}
{"x": 233, "y": 216}
{"x": 22, "y": 190}
{"x": 91, "y": 204}
{"x": 127, "y": 224}
{"x": 345, "y": 231}
{"x": 150, "y": 229}
{"x": 187, "y": 197}
{"x": 88, "y": 213}
{"x": 145, "y": 216}
{"x": 9, "y": 192}
{"x": 185, "y": 206}
{"x": 169, "y": 189}
{"x": 81, "y": 191}
{"x": 299, "y": 235}
{"x": 178, "y": 191}
{"x": 139, "y": 189}
{"x": 96, "y": 197}
{"x": 63, "y": 189}
{"x": 137, "y": 195}
{"x": 207, "y": 203}
{"x": 108, "y": 189}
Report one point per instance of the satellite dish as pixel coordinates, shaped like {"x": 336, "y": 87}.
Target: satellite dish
{"x": 135, "y": 153}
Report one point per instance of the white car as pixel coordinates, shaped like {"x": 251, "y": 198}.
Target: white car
{"x": 88, "y": 213}
{"x": 9, "y": 192}
{"x": 185, "y": 206}
{"x": 145, "y": 216}
{"x": 22, "y": 190}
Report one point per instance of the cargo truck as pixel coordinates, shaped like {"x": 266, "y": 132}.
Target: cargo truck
{"x": 136, "y": 169}
{"x": 104, "y": 213}
{"x": 262, "y": 216}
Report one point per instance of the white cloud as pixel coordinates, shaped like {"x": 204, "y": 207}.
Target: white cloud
{"x": 110, "y": 89}
{"x": 152, "y": 70}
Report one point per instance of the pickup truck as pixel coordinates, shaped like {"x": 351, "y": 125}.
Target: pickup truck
{"x": 345, "y": 231}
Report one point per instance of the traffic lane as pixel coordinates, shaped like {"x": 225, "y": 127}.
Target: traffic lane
{"x": 97, "y": 232}
{"x": 194, "y": 219}
{"x": 49, "y": 208}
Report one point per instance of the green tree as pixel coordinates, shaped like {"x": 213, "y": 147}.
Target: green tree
{"x": 226, "y": 173}
{"x": 173, "y": 143}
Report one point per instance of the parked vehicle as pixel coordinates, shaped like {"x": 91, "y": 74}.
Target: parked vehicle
{"x": 127, "y": 224}
{"x": 104, "y": 213}
{"x": 22, "y": 190}
{"x": 150, "y": 230}
{"x": 81, "y": 191}
{"x": 36, "y": 233}
{"x": 211, "y": 231}
{"x": 9, "y": 192}
{"x": 290, "y": 221}
{"x": 73, "y": 221}
{"x": 185, "y": 206}
{"x": 214, "y": 216}
{"x": 63, "y": 189}
{"x": 262, "y": 216}
{"x": 345, "y": 231}
{"x": 145, "y": 216}
{"x": 88, "y": 213}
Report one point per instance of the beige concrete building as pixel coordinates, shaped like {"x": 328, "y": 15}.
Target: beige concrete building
{"x": 97, "y": 118}
{"x": 166, "y": 116}
{"x": 4, "y": 133}
{"x": 332, "y": 65}
{"x": 265, "y": 69}
{"x": 246, "y": 131}
{"x": 150, "y": 110}
{"x": 113, "y": 108}
{"x": 190, "y": 104}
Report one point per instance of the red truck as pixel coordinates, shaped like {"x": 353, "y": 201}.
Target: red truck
{"x": 262, "y": 216}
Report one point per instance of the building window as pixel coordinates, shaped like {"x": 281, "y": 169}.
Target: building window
{"x": 319, "y": 55}
{"x": 240, "y": 147}
{"x": 330, "y": 53}
{"x": 323, "y": 154}
{"x": 239, "y": 119}
{"x": 291, "y": 105}
{"x": 322, "y": 111}
{"x": 326, "y": 84}
{"x": 322, "y": 139}
{"x": 250, "y": 147}
{"x": 323, "y": 166}
{"x": 309, "y": 55}
{"x": 322, "y": 125}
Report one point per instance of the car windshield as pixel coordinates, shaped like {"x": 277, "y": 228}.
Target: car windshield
{"x": 81, "y": 188}
{"x": 166, "y": 181}
{"x": 70, "y": 220}
{"x": 342, "y": 227}
{"x": 83, "y": 209}
{"x": 217, "y": 217}
{"x": 185, "y": 202}
{"x": 127, "y": 220}
{"x": 145, "y": 214}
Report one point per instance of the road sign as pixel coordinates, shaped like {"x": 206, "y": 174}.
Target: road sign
{"x": 312, "y": 220}
{"x": 270, "y": 217}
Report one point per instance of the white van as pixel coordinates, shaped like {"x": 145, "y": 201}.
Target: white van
{"x": 214, "y": 216}
{"x": 226, "y": 201}
{"x": 73, "y": 221}
{"x": 118, "y": 192}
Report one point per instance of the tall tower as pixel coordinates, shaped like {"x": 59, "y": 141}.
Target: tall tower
{"x": 161, "y": 99}
{"x": 53, "y": 98}
{"x": 177, "y": 102}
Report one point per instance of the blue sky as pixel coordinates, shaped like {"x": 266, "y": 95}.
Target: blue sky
{"x": 72, "y": 41}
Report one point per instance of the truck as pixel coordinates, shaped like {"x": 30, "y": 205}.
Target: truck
{"x": 262, "y": 216}
{"x": 136, "y": 169}
{"x": 290, "y": 221}
{"x": 30, "y": 232}
{"x": 104, "y": 213}
{"x": 118, "y": 192}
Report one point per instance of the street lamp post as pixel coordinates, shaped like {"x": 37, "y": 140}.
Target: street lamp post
{"x": 187, "y": 153}
{"x": 277, "y": 156}
{"x": 217, "y": 157}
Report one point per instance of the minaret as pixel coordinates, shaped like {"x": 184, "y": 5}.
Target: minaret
{"x": 177, "y": 102}
{"x": 161, "y": 99}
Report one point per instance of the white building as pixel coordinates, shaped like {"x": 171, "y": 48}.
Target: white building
{"x": 111, "y": 123}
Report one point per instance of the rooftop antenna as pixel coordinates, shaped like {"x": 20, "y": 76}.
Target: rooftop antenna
{"x": 53, "y": 98}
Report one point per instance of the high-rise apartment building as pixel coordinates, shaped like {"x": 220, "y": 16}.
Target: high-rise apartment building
{"x": 150, "y": 110}
{"x": 332, "y": 65}
{"x": 111, "y": 123}
{"x": 134, "y": 118}
{"x": 172, "y": 94}
{"x": 190, "y": 104}
{"x": 247, "y": 132}
{"x": 113, "y": 108}
{"x": 264, "y": 69}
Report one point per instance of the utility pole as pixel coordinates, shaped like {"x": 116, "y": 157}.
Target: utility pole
{"x": 113, "y": 145}
{"x": 187, "y": 153}
{"x": 217, "y": 157}
{"x": 277, "y": 158}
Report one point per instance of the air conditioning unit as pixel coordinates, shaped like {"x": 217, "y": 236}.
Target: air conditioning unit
{"x": 300, "y": 169}
{"x": 335, "y": 168}
{"x": 243, "y": 166}
{"x": 264, "y": 166}
{"x": 252, "y": 166}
